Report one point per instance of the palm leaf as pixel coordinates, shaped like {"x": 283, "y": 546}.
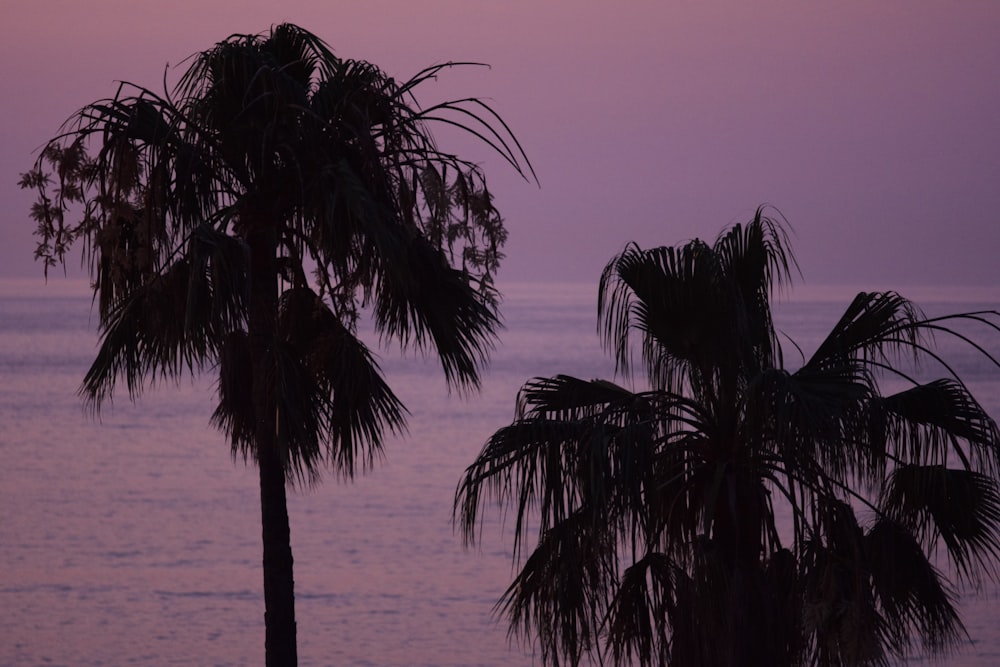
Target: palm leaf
{"x": 910, "y": 591}
{"x": 931, "y": 419}
{"x": 638, "y": 622}
{"x": 755, "y": 262}
{"x": 961, "y": 508}
{"x": 569, "y": 396}
{"x": 234, "y": 415}
{"x": 421, "y": 300}
{"x": 874, "y": 326}
{"x": 513, "y": 467}
{"x": 355, "y": 406}
{"x": 668, "y": 295}
{"x": 147, "y": 336}
{"x": 841, "y": 618}
{"x": 560, "y": 590}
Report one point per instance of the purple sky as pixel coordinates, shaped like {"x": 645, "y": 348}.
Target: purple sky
{"x": 873, "y": 127}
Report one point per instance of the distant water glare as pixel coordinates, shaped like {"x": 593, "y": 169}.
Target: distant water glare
{"x": 134, "y": 538}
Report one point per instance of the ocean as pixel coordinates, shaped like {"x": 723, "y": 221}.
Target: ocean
{"x": 132, "y": 537}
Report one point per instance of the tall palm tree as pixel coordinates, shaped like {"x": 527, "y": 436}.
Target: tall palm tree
{"x": 243, "y": 220}
{"x": 659, "y": 511}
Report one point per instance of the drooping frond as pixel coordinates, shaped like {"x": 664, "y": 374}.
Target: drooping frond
{"x": 332, "y": 402}
{"x": 910, "y": 592}
{"x": 173, "y": 322}
{"x": 809, "y": 414}
{"x": 840, "y": 616}
{"x": 557, "y": 596}
{"x": 234, "y": 415}
{"x": 954, "y": 507}
{"x": 424, "y": 301}
{"x": 512, "y": 468}
{"x": 931, "y": 421}
{"x": 638, "y": 616}
{"x": 356, "y": 406}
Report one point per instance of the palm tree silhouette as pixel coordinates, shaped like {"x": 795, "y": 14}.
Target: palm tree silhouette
{"x": 658, "y": 539}
{"x": 243, "y": 221}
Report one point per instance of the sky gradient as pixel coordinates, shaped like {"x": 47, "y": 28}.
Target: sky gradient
{"x": 874, "y": 128}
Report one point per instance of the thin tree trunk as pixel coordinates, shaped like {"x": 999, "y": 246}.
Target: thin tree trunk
{"x": 279, "y": 586}
{"x": 279, "y": 591}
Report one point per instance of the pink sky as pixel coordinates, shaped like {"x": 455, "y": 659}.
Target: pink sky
{"x": 873, "y": 127}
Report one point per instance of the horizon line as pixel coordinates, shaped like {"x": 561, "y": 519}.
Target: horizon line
{"x": 59, "y": 286}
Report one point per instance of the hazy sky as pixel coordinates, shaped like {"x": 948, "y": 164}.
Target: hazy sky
{"x": 873, "y": 126}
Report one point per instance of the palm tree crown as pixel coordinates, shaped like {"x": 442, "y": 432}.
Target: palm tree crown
{"x": 242, "y": 221}
{"x": 658, "y": 537}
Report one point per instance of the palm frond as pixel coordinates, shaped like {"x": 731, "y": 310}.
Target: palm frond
{"x": 148, "y": 336}
{"x": 355, "y": 407}
{"x": 513, "y": 468}
{"x": 671, "y": 297}
{"x": 421, "y": 300}
{"x": 910, "y": 592}
{"x": 756, "y": 262}
{"x": 959, "y": 508}
{"x": 565, "y": 395}
{"x": 875, "y": 326}
{"x": 638, "y": 619}
{"x": 555, "y": 463}
{"x": 234, "y": 415}
{"x": 841, "y": 619}
{"x": 930, "y": 420}
{"x": 560, "y": 591}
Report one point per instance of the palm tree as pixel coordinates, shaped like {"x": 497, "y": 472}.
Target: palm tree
{"x": 242, "y": 222}
{"x": 659, "y": 511}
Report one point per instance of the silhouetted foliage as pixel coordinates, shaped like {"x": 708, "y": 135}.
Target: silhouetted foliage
{"x": 658, "y": 540}
{"x": 240, "y": 223}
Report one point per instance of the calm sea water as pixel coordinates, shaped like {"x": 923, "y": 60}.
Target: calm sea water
{"x": 133, "y": 539}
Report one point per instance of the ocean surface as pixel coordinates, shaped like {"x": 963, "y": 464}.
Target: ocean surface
{"x": 132, "y": 538}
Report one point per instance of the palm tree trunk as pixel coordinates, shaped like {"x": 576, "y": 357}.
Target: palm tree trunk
{"x": 279, "y": 585}
{"x": 279, "y": 591}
